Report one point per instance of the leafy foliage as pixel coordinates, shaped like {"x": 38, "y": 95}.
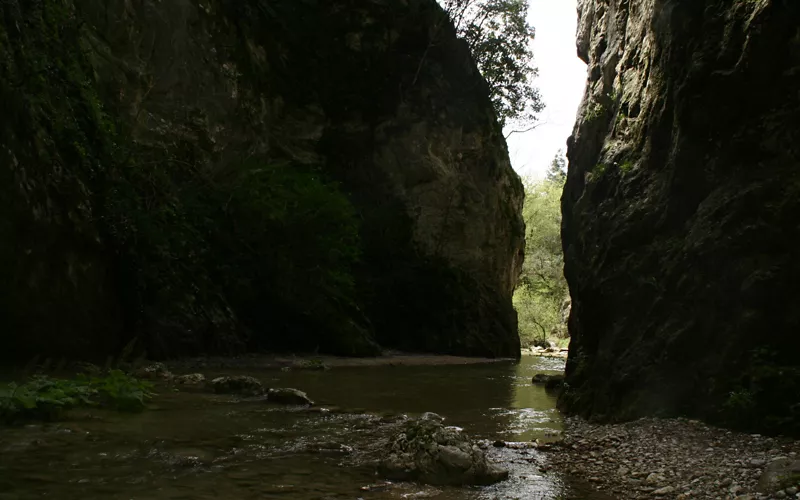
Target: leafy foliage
{"x": 499, "y": 37}
{"x": 45, "y": 398}
{"x": 542, "y": 289}
{"x": 767, "y": 395}
{"x": 293, "y": 238}
{"x": 557, "y": 173}
{"x": 119, "y": 391}
{"x": 266, "y": 245}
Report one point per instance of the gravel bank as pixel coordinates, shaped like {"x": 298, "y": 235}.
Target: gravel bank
{"x": 674, "y": 459}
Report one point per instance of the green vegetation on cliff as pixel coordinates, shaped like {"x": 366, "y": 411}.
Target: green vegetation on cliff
{"x": 542, "y": 291}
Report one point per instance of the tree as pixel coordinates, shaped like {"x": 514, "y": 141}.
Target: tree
{"x": 542, "y": 288}
{"x": 499, "y": 37}
{"x": 558, "y": 168}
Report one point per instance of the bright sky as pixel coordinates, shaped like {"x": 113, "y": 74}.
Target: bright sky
{"x": 561, "y": 81}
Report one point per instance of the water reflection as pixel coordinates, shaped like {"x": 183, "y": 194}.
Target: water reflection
{"x": 202, "y": 446}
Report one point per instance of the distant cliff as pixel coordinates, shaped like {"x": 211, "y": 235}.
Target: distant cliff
{"x": 226, "y": 175}
{"x": 681, "y": 212}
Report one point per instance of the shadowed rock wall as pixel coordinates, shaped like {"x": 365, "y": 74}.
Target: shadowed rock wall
{"x": 126, "y": 212}
{"x": 680, "y": 212}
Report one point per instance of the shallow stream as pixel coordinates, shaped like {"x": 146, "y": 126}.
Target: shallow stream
{"x": 195, "y": 445}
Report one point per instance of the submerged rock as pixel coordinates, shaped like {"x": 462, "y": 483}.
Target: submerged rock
{"x": 238, "y": 384}
{"x": 427, "y": 451}
{"x": 309, "y": 364}
{"x": 288, "y": 396}
{"x": 429, "y": 415}
{"x": 190, "y": 379}
{"x": 152, "y": 371}
{"x": 550, "y": 382}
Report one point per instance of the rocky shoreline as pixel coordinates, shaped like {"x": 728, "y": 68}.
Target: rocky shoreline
{"x": 306, "y": 361}
{"x": 546, "y": 352}
{"x": 676, "y": 459}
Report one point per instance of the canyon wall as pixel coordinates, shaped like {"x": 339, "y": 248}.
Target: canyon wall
{"x": 221, "y": 175}
{"x": 681, "y": 212}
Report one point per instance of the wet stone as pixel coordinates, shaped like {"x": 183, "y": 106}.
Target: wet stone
{"x": 239, "y": 384}
{"x": 190, "y": 379}
{"x": 289, "y": 396}
{"x": 152, "y": 371}
{"x": 426, "y": 451}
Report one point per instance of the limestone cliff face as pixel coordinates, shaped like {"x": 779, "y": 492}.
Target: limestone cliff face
{"x": 680, "y": 212}
{"x": 379, "y": 96}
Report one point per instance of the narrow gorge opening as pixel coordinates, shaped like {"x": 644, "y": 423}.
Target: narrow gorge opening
{"x": 537, "y": 152}
{"x": 320, "y": 249}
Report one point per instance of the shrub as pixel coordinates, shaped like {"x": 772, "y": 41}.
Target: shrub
{"x": 45, "y": 398}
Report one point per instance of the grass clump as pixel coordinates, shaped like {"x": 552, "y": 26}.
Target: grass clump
{"x": 594, "y": 112}
{"x": 626, "y": 167}
{"x": 46, "y": 398}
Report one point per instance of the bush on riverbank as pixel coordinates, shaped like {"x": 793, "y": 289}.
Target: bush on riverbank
{"x": 45, "y": 398}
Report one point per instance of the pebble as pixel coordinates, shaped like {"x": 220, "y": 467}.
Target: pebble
{"x": 666, "y": 490}
{"x": 668, "y": 458}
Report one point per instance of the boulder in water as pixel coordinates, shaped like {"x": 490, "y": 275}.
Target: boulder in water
{"x": 152, "y": 371}
{"x": 190, "y": 379}
{"x": 238, "y": 384}
{"x": 288, "y": 396}
{"x": 429, "y": 415}
{"x": 550, "y": 382}
{"x": 427, "y": 451}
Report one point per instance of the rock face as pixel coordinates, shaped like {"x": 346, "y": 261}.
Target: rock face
{"x": 429, "y": 452}
{"x": 679, "y": 211}
{"x": 126, "y": 211}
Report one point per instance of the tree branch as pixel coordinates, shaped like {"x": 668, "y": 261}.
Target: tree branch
{"x": 544, "y": 332}
{"x": 525, "y": 130}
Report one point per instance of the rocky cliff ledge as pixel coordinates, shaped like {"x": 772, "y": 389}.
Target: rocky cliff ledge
{"x": 681, "y": 212}
{"x": 216, "y": 175}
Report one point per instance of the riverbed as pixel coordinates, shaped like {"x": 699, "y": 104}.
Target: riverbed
{"x": 194, "y": 445}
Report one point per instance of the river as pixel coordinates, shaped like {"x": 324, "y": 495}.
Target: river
{"x": 195, "y": 445}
